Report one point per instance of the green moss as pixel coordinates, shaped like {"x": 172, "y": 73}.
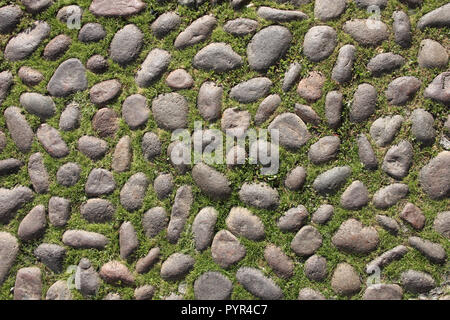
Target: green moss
{"x": 288, "y": 199}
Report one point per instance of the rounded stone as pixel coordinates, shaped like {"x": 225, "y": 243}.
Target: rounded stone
{"x": 29, "y": 76}
{"x": 170, "y": 111}
{"x": 210, "y": 181}
{"x": 179, "y": 79}
{"x": 212, "y": 286}
{"x": 163, "y": 185}
{"x": 324, "y": 150}
{"x": 126, "y": 44}
{"x": 165, "y": 23}
{"x": 432, "y": 54}
{"x": 154, "y": 221}
{"x": 316, "y": 268}
{"x": 307, "y": 241}
{"x": 97, "y": 64}
{"x": 293, "y": 219}
{"x": 68, "y": 174}
{"x": 91, "y": 32}
{"x": 57, "y": 47}
{"x": 345, "y": 280}
{"x": 176, "y": 267}
{"x": 268, "y": 46}
{"x": 105, "y": 122}
{"x": 353, "y": 237}
{"x": 97, "y": 210}
{"x": 92, "y": 147}
{"x": 241, "y": 222}
{"x": 319, "y": 43}
{"x": 226, "y": 249}
{"x": 254, "y": 281}
{"x": 39, "y": 105}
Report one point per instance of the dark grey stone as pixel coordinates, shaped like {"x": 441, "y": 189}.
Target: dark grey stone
{"x": 68, "y": 174}
{"x": 316, "y": 268}
{"x": 385, "y": 63}
{"x": 355, "y": 197}
{"x": 324, "y": 150}
{"x": 9, "y": 17}
{"x": 433, "y": 251}
{"x": 333, "y": 108}
{"x": 51, "y": 255}
{"x": 69, "y": 78}
{"x": 177, "y": 266}
{"x": 165, "y": 23}
{"x": 389, "y": 195}
{"x": 319, "y": 43}
{"x": 417, "y": 281}
{"x": 307, "y": 241}
{"x": 268, "y": 46}
{"x": 266, "y": 108}
{"x": 116, "y": 8}
{"x": 59, "y": 211}
{"x": 342, "y": 71}
{"x": 9, "y": 248}
{"x": 12, "y": 200}
{"x": 259, "y": 195}
{"x": 154, "y": 221}
{"x": 196, "y": 32}
{"x": 80, "y": 239}
{"x": 99, "y": 182}
{"x": 153, "y": 67}
{"x": 180, "y": 212}
{"x": 254, "y": 281}
{"x": 251, "y": 90}
{"x": 437, "y": 18}
{"x": 422, "y": 126}
{"x": 203, "y": 227}
{"x": 331, "y": 180}
{"x": 36, "y": 6}
{"x": 226, "y": 249}
{"x": 382, "y": 291}
{"x": 212, "y": 286}
{"x": 367, "y": 32}
{"x": 389, "y": 224}
{"x": 92, "y": 147}
{"x": 402, "y": 29}
{"x": 291, "y": 76}
{"x": 133, "y": 192}
{"x": 70, "y": 118}
{"x": 383, "y": 130}
{"x": 386, "y": 258}
{"x": 217, "y": 56}
{"x": 170, "y": 111}
{"x": 91, "y": 32}
{"x": 27, "y": 41}
{"x": 240, "y": 26}
{"x": 9, "y": 166}
{"x": 398, "y": 160}
{"x": 87, "y": 278}
{"x": 366, "y": 154}
{"x": 293, "y": 131}
{"x": 97, "y": 64}
{"x": 278, "y": 15}
{"x": 293, "y": 219}
{"x": 97, "y": 210}
{"x": 126, "y": 44}
{"x": 438, "y": 89}
{"x": 401, "y": 90}
{"x": 323, "y": 214}
{"x": 242, "y": 223}
{"x": 33, "y": 225}
{"x": 442, "y": 223}
{"x": 210, "y": 181}
{"x": 325, "y": 10}
{"x": 280, "y": 263}
{"x": 128, "y": 241}
{"x": 38, "y": 173}
{"x": 353, "y": 237}
{"x": 364, "y": 103}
